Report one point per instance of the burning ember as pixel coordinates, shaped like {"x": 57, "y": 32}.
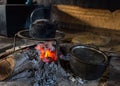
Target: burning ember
{"x": 47, "y": 51}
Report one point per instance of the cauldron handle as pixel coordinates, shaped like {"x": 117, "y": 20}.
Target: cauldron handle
{"x": 87, "y": 45}
{"x": 93, "y": 46}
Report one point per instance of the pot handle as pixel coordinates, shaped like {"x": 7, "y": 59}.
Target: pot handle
{"x": 93, "y": 46}
{"x": 88, "y": 45}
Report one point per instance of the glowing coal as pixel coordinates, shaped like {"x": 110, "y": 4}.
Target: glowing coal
{"x": 47, "y": 51}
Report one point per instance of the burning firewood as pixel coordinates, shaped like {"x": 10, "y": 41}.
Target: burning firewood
{"x": 47, "y": 51}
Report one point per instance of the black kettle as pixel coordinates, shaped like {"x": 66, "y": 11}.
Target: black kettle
{"x": 42, "y": 28}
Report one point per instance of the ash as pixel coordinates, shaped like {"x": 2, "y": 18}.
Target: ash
{"x": 40, "y": 73}
{"x": 52, "y": 74}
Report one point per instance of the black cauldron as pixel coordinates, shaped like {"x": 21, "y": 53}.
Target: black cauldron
{"x": 87, "y": 62}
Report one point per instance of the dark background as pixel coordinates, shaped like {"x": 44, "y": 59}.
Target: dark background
{"x": 16, "y": 15}
{"x": 16, "y": 1}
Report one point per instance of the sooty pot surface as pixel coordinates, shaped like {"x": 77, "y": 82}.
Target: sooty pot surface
{"x": 87, "y": 62}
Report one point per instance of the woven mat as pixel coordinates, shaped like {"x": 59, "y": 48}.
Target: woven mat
{"x": 91, "y": 39}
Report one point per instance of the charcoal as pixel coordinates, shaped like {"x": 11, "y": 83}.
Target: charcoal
{"x": 33, "y": 54}
{"x": 24, "y": 74}
{"x": 114, "y": 68}
{"x": 65, "y": 48}
{"x": 64, "y": 83}
{"x": 19, "y": 59}
{"x": 25, "y": 56}
{"x": 36, "y": 84}
{"x": 52, "y": 74}
{"x": 25, "y": 66}
{"x": 113, "y": 83}
{"x": 92, "y": 83}
{"x": 47, "y": 75}
{"x": 27, "y": 60}
{"x": 16, "y": 83}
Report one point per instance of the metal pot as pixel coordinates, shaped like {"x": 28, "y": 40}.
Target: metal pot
{"x": 87, "y": 62}
{"x": 42, "y": 28}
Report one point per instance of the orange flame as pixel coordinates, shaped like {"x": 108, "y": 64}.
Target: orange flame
{"x": 46, "y": 54}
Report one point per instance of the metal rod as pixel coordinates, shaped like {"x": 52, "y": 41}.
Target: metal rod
{"x": 14, "y": 42}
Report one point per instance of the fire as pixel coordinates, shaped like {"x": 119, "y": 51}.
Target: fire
{"x": 47, "y": 52}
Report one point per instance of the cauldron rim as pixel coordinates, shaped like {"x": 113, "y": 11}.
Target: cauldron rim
{"x": 91, "y": 48}
{"x": 21, "y": 35}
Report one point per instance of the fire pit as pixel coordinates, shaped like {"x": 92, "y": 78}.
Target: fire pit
{"x": 40, "y": 63}
{"x": 28, "y": 66}
{"x": 52, "y": 69}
